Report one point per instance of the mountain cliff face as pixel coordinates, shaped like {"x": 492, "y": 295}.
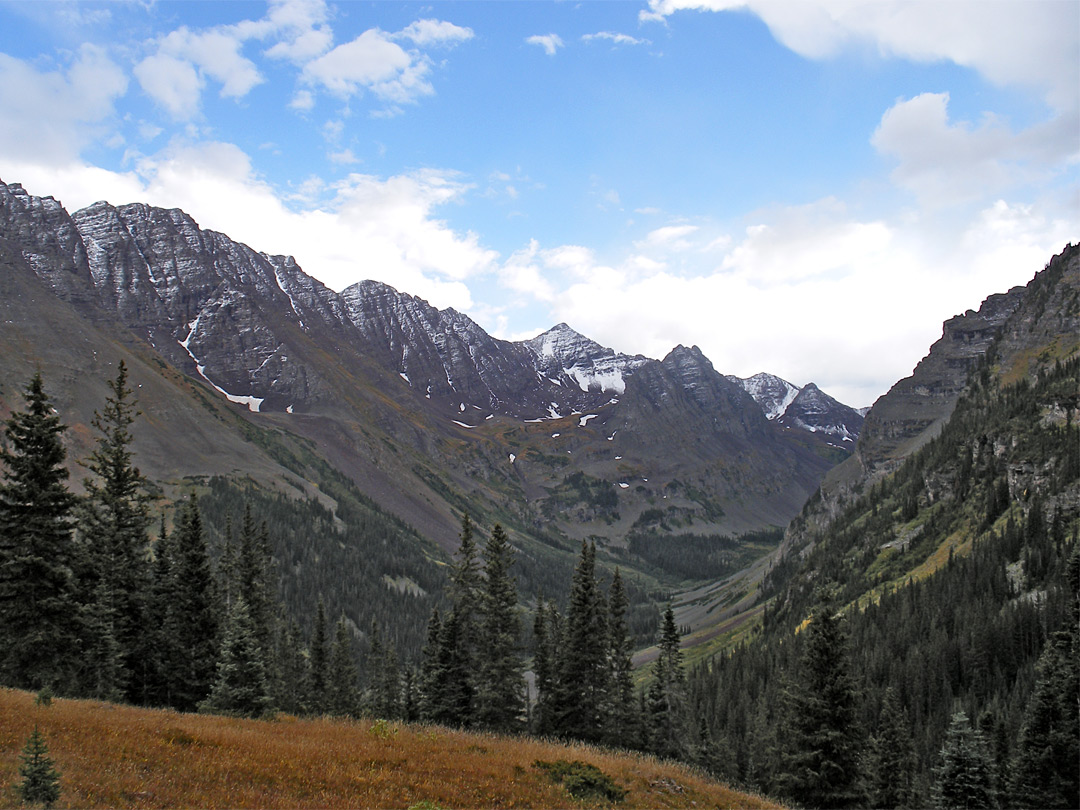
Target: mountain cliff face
{"x": 416, "y": 403}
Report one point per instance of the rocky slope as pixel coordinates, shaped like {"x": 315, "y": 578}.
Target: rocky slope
{"x": 806, "y": 409}
{"x": 422, "y": 408}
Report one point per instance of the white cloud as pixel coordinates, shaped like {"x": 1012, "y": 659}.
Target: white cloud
{"x": 302, "y": 27}
{"x": 549, "y": 42}
{"x": 1036, "y": 44}
{"x": 807, "y": 292}
{"x": 615, "y": 39}
{"x": 943, "y": 161}
{"x": 371, "y": 61}
{"x": 670, "y": 236}
{"x": 51, "y": 115}
{"x": 432, "y": 32}
{"x": 173, "y": 83}
{"x": 217, "y": 54}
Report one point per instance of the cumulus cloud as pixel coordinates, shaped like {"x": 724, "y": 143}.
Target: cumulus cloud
{"x": 433, "y": 32}
{"x": 1031, "y": 44}
{"x": 670, "y": 236}
{"x": 50, "y": 115}
{"x": 614, "y": 38}
{"x": 549, "y": 42}
{"x": 943, "y": 161}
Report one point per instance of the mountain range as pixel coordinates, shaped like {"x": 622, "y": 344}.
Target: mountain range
{"x": 409, "y": 401}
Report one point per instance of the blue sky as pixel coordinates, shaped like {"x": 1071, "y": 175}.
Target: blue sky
{"x": 808, "y": 188}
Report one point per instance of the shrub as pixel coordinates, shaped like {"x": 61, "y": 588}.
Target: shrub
{"x": 582, "y": 780}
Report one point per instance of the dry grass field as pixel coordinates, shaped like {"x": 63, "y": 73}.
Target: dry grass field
{"x": 121, "y": 756}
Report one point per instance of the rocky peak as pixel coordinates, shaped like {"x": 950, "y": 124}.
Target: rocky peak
{"x": 814, "y": 410}
{"x": 772, "y": 393}
{"x": 567, "y": 358}
{"x": 43, "y": 232}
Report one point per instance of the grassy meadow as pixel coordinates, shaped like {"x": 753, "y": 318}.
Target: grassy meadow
{"x": 121, "y": 756}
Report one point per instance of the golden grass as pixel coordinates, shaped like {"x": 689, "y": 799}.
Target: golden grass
{"x": 122, "y": 756}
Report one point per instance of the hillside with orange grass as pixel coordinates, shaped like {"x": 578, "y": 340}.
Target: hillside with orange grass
{"x": 119, "y": 756}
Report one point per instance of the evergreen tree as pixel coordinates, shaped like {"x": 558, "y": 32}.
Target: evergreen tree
{"x": 291, "y": 674}
{"x": 188, "y": 640}
{"x": 113, "y": 521}
{"x": 583, "y": 679}
{"x": 101, "y": 668}
{"x": 384, "y": 696}
{"x": 963, "y": 780}
{"x": 37, "y": 607}
{"x": 622, "y": 726}
{"x": 667, "y": 716}
{"x": 253, "y": 580}
{"x": 241, "y": 687}
{"x": 545, "y": 666}
{"x": 891, "y": 758}
{"x": 500, "y": 683}
{"x": 341, "y": 681}
{"x": 824, "y": 741}
{"x": 1046, "y": 768}
{"x": 431, "y": 679}
{"x": 318, "y": 696}
{"x": 40, "y": 779}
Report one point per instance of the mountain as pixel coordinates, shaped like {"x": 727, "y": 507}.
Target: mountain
{"x": 418, "y": 408}
{"x": 807, "y": 409}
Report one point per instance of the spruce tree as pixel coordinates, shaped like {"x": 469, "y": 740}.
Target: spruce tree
{"x": 891, "y": 758}
{"x": 341, "y": 680}
{"x": 253, "y": 578}
{"x": 187, "y": 604}
{"x": 622, "y": 710}
{"x": 667, "y": 719}
{"x": 825, "y": 746}
{"x": 431, "y": 678}
{"x": 40, "y": 779}
{"x": 583, "y": 679}
{"x": 963, "y": 779}
{"x": 318, "y": 697}
{"x": 240, "y": 688}
{"x": 113, "y": 521}
{"x": 38, "y": 617}
{"x": 545, "y": 667}
{"x": 500, "y": 682}
{"x": 290, "y": 669}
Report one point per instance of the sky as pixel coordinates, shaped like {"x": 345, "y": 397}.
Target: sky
{"x": 805, "y": 188}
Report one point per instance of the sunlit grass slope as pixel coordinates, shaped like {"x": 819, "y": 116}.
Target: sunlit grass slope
{"x": 120, "y": 756}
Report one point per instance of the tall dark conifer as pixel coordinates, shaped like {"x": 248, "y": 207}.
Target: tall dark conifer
{"x": 668, "y": 720}
{"x": 824, "y": 742}
{"x": 113, "y": 522}
{"x": 622, "y": 707}
{"x": 963, "y": 778}
{"x": 189, "y": 628}
{"x": 341, "y": 687}
{"x": 37, "y": 607}
{"x": 891, "y": 758}
{"x": 583, "y": 678}
{"x": 318, "y": 697}
{"x": 500, "y": 682}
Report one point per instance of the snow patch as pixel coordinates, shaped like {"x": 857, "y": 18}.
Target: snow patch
{"x": 288, "y": 409}
{"x": 405, "y": 377}
{"x": 462, "y": 424}
{"x": 624, "y": 485}
{"x": 555, "y": 435}
{"x": 513, "y": 458}
{"x": 583, "y": 421}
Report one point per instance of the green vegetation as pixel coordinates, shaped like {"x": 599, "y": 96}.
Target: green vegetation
{"x": 582, "y": 780}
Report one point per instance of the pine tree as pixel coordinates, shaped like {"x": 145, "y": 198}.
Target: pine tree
{"x": 240, "y": 687}
{"x": 291, "y": 673}
{"x": 113, "y": 521}
{"x": 963, "y": 779}
{"x": 341, "y": 681}
{"x": 667, "y": 719}
{"x": 40, "y": 779}
{"x": 824, "y": 740}
{"x": 37, "y": 607}
{"x": 623, "y": 721}
{"x": 545, "y": 666}
{"x": 500, "y": 683}
{"x": 187, "y": 605}
{"x": 253, "y": 582}
{"x": 583, "y": 679}
{"x": 891, "y": 758}
{"x": 1046, "y": 768}
{"x": 318, "y": 696}
{"x": 431, "y": 678}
